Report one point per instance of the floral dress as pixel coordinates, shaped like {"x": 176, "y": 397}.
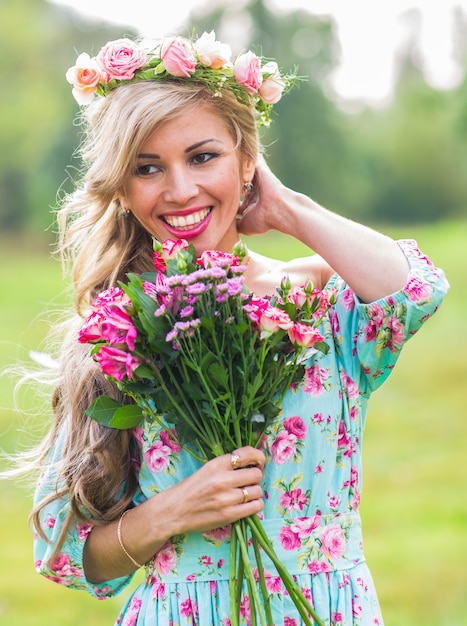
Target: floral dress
{"x": 312, "y": 482}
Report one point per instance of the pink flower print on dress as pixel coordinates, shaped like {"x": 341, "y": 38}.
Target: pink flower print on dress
{"x": 158, "y": 457}
{"x": 417, "y": 289}
{"x": 315, "y": 380}
{"x": 332, "y": 542}
{"x": 166, "y": 559}
{"x": 304, "y": 526}
{"x": 295, "y": 426}
{"x": 289, "y": 539}
{"x": 294, "y": 500}
{"x": 189, "y": 608}
{"x": 284, "y": 447}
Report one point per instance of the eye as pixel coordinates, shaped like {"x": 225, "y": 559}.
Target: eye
{"x": 146, "y": 170}
{"x": 203, "y": 157}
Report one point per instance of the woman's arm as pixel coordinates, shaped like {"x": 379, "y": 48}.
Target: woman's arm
{"x": 212, "y": 497}
{"x": 370, "y": 263}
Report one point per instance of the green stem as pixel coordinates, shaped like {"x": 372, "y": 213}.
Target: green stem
{"x": 302, "y": 604}
{"x": 235, "y": 583}
{"x": 250, "y": 578}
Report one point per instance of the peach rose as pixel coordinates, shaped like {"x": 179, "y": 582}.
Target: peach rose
{"x": 247, "y": 71}
{"x": 84, "y": 76}
{"x": 177, "y": 57}
{"x": 273, "y": 85}
{"x": 120, "y": 59}
{"x": 303, "y": 335}
{"x": 212, "y": 53}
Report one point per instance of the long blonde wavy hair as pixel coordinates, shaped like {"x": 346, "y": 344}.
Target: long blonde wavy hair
{"x": 96, "y": 468}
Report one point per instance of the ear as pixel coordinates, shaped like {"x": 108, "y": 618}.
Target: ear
{"x": 248, "y": 169}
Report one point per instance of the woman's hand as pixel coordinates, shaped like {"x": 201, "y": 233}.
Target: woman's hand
{"x": 222, "y": 491}
{"x": 261, "y": 208}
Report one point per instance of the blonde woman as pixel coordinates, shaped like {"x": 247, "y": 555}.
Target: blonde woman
{"x": 172, "y": 152}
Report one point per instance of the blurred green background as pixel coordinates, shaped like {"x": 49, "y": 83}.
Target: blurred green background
{"x": 401, "y": 168}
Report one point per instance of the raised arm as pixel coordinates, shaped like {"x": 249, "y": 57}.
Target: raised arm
{"x": 372, "y": 264}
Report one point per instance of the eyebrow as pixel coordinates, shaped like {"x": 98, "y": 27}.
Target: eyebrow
{"x": 187, "y": 150}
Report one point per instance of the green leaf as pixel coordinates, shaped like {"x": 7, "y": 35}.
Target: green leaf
{"x": 102, "y": 410}
{"x": 111, "y": 414}
{"x": 127, "y": 416}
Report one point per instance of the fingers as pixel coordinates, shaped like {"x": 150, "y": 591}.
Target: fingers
{"x": 247, "y": 457}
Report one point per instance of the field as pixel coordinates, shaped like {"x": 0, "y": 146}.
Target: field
{"x": 414, "y": 505}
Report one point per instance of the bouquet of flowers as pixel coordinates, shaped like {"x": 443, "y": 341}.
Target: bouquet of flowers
{"x": 191, "y": 347}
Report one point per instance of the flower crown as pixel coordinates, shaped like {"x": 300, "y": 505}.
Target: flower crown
{"x": 252, "y": 79}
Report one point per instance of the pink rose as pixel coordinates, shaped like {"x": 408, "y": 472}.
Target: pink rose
{"x": 332, "y": 542}
{"x": 273, "y": 85}
{"x": 84, "y": 76}
{"x": 212, "y": 53}
{"x": 304, "y": 336}
{"x": 219, "y": 534}
{"x": 289, "y": 540}
{"x": 158, "y": 457}
{"x": 273, "y": 319}
{"x": 284, "y": 447}
{"x": 167, "y": 251}
{"x": 120, "y": 59}
{"x": 247, "y": 71}
{"x": 169, "y": 441}
{"x": 216, "y": 258}
{"x": 296, "y": 426}
{"x": 166, "y": 559}
{"x": 117, "y": 363}
{"x": 304, "y": 526}
{"x": 297, "y": 296}
{"x": 177, "y": 57}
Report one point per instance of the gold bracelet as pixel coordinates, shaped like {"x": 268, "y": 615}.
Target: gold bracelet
{"x": 120, "y": 540}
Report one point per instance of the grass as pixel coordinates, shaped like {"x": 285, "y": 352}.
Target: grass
{"x": 414, "y": 508}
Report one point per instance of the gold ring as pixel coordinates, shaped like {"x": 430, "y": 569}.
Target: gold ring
{"x": 246, "y": 495}
{"x": 235, "y": 461}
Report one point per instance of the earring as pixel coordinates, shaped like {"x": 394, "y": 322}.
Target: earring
{"x": 248, "y": 187}
{"x": 125, "y": 213}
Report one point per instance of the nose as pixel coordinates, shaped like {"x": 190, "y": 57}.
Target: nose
{"x": 181, "y": 186}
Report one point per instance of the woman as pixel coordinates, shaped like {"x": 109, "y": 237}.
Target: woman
{"x": 172, "y": 152}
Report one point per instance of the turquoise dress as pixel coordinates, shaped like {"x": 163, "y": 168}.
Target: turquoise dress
{"x": 312, "y": 482}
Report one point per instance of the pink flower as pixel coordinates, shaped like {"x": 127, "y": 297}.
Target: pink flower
{"x": 219, "y": 534}
{"x": 314, "y": 377}
{"x": 117, "y": 363}
{"x": 166, "y": 559}
{"x": 168, "y": 250}
{"x": 157, "y": 588}
{"x": 284, "y": 447}
{"x": 295, "y": 426}
{"x": 117, "y": 327}
{"x": 295, "y": 500}
{"x": 304, "y": 336}
{"x": 247, "y": 71}
{"x": 289, "y": 540}
{"x": 273, "y": 85}
{"x": 304, "y": 526}
{"x": 158, "y": 457}
{"x": 84, "y": 76}
{"x": 189, "y": 608}
{"x": 273, "y": 319}
{"x": 120, "y": 59}
{"x": 169, "y": 441}
{"x": 212, "y": 53}
{"x": 255, "y": 309}
{"x": 216, "y": 258}
{"x": 297, "y": 296}
{"x": 177, "y": 57}
{"x": 332, "y": 542}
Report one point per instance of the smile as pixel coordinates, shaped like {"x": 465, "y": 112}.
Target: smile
{"x": 187, "y": 222}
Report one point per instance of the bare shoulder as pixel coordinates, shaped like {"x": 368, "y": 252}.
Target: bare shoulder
{"x": 265, "y": 274}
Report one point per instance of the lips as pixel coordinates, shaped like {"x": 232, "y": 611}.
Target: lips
{"x": 189, "y": 224}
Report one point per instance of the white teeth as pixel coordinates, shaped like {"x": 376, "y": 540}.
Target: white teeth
{"x": 187, "y": 221}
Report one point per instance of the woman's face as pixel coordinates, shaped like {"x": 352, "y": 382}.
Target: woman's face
{"x": 188, "y": 181}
